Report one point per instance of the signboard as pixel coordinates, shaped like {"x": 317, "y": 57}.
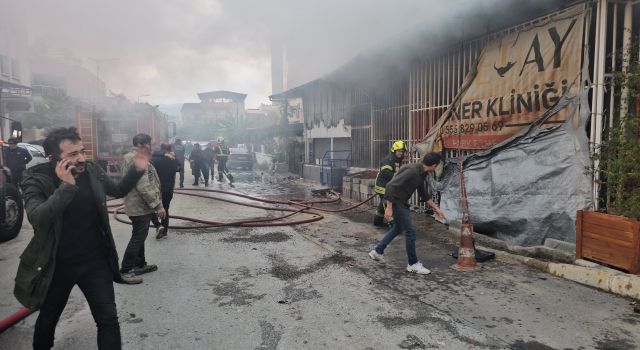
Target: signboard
{"x": 519, "y": 77}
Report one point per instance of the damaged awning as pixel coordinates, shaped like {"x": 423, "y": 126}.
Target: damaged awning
{"x": 523, "y": 110}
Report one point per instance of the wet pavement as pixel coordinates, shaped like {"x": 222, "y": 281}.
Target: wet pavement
{"x": 313, "y": 287}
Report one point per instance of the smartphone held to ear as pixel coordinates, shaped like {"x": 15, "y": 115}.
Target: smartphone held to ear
{"x": 56, "y": 159}
{"x": 74, "y": 172}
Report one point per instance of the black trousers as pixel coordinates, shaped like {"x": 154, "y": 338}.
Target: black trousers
{"x": 95, "y": 279}
{"x": 182, "y": 173}
{"x": 205, "y": 174}
{"x": 16, "y": 177}
{"x": 378, "y": 219}
{"x": 222, "y": 170}
{"x": 134, "y": 254}
{"x": 166, "y": 201}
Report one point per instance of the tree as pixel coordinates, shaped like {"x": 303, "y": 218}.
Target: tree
{"x": 619, "y": 154}
{"x": 234, "y": 128}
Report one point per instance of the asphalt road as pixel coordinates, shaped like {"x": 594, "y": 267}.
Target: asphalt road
{"x": 313, "y": 287}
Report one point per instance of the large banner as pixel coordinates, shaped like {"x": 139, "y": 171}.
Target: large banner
{"x": 519, "y": 77}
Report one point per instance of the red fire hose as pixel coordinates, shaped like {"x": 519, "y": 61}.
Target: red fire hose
{"x": 291, "y": 206}
{"x": 14, "y": 318}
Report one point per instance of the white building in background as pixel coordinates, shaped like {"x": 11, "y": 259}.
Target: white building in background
{"x": 15, "y": 75}
{"x": 14, "y": 54}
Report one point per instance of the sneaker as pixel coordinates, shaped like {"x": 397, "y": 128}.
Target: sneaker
{"x": 376, "y": 256}
{"x": 144, "y": 269}
{"x": 161, "y": 233}
{"x": 418, "y": 268}
{"x": 130, "y": 278}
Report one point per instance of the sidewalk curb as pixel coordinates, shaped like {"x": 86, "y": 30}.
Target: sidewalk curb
{"x": 598, "y": 277}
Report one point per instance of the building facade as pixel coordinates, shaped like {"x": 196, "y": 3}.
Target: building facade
{"x": 15, "y": 75}
{"x": 214, "y": 106}
{"x": 477, "y": 90}
{"x": 64, "y": 76}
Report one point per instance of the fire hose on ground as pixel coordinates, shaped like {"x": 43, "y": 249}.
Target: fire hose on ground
{"x": 292, "y": 207}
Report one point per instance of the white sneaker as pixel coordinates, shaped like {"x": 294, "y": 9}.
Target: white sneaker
{"x": 376, "y": 256}
{"x": 418, "y": 268}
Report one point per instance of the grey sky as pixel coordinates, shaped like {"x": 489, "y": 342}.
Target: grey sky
{"x": 172, "y": 49}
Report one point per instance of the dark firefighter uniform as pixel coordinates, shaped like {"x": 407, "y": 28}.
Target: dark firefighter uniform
{"x": 388, "y": 167}
{"x": 222, "y": 156}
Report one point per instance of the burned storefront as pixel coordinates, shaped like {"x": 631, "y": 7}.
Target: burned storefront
{"x": 521, "y": 100}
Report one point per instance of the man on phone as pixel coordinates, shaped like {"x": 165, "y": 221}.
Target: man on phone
{"x": 141, "y": 204}
{"x": 65, "y": 201}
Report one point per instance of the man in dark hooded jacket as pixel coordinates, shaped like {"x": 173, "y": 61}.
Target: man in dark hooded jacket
{"x": 166, "y": 166}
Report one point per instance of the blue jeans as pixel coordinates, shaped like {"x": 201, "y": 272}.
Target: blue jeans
{"x": 401, "y": 222}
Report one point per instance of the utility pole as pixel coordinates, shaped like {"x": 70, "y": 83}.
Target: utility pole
{"x": 145, "y": 95}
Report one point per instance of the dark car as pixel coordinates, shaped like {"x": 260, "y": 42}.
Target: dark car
{"x": 240, "y": 161}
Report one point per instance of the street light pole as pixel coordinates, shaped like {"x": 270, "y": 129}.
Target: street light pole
{"x": 145, "y": 95}
{"x": 98, "y": 62}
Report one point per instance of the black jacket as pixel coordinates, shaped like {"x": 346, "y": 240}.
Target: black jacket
{"x": 166, "y": 169}
{"x": 388, "y": 167}
{"x": 16, "y": 159}
{"x": 45, "y": 199}
{"x": 179, "y": 150}
{"x": 209, "y": 156}
{"x": 410, "y": 178}
{"x": 197, "y": 161}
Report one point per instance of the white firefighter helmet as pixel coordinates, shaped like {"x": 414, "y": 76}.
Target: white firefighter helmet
{"x": 220, "y": 139}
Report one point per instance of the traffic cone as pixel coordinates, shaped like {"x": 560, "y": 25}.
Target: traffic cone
{"x": 467, "y": 251}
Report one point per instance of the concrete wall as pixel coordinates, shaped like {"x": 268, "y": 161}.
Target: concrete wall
{"x": 311, "y": 172}
{"x": 358, "y": 189}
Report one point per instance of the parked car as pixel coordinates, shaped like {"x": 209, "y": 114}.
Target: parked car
{"x": 37, "y": 154}
{"x": 240, "y": 161}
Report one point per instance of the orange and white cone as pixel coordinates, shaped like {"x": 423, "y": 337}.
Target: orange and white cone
{"x": 466, "y": 252}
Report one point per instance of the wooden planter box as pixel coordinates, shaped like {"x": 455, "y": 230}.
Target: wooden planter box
{"x": 609, "y": 239}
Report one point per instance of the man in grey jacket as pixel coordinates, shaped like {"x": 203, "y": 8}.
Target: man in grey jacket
{"x": 399, "y": 190}
{"x": 141, "y": 204}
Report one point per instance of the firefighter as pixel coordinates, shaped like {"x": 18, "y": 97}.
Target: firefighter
{"x": 222, "y": 155}
{"x": 388, "y": 167}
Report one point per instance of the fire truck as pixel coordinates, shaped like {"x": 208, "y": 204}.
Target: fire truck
{"x": 107, "y": 133}
{"x": 13, "y": 98}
